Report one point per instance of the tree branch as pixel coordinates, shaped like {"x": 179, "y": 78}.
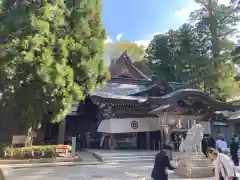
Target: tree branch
{"x": 227, "y": 33}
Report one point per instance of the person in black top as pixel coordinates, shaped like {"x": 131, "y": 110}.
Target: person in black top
{"x": 211, "y": 142}
{"x": 204, "y": 145}
{"x": 234, "y": 146}
{"x": 161, "y": 163}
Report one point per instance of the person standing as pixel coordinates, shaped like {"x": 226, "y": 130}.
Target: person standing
{"x": 211, "y": 142}
{"x": 234, "y": 146}
{"x": 221, "y": 145}
{"x": 224, "y": 168}
{"x": 204, "y": 144}
{"x": 161, "y": 163}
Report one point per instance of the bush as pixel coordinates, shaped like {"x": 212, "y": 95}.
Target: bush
{"x": 2, "y": 150}
{"x": 33, "y": 152}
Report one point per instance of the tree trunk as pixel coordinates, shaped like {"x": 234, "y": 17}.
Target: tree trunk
{"x": 213, "y": 28}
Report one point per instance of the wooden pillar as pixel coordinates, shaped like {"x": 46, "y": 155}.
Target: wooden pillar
{"x": 61, "y": 132}
{"x": 188, "y": 124}
{"x": 167, "y": 129}
{"x": 148, "y": 140}
{"x": 161, "y": 131}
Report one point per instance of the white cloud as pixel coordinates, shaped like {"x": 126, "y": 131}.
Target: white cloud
{"x": 185, "y": 12}
{"x": 157, "y": 33}
{"x": 144, "y": 43}
{"x": 226, "y": 2}
{"x": 183, "y": 16}
{"x": 119, "y": 36}
{"x": 108, "y": 40}
{"x": 192, "y": 6}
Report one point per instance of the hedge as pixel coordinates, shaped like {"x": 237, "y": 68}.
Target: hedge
{"x": 48, "y": 151}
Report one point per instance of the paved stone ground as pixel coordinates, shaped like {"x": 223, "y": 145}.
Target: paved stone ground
{"x": 126, "y": 171}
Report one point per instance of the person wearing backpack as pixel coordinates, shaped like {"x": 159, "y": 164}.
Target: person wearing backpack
{"x": 224, "y": 168}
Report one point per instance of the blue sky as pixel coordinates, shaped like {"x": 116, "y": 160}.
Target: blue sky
{"x": 139, "y": 20}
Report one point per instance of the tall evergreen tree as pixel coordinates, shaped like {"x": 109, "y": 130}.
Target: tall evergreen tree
{"x": 49, "y": 52}
{"x": 183, "y": 56}
{"x": 87, "y": 42}
{"x": 178, "y": 55}
{"x": 217, "y": 22}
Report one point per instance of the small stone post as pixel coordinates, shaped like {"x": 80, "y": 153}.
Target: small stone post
{"x": 74, "y": 146}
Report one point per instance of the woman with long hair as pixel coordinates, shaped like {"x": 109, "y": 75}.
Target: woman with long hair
{"x": 224, "y": 167}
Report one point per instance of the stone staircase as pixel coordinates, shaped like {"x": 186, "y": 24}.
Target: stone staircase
{"x": 121, "y": 156}
{"x": 124, "y": 156}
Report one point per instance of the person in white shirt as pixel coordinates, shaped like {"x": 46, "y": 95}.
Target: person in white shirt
{"x": 221, "y": 145}
{"x": 224, "y": 168}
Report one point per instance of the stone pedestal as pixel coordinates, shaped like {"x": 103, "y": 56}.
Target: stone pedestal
{"x": 193, "y": 166}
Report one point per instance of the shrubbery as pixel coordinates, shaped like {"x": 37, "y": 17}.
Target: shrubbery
{"x": 32, "y": 152}
{"x": 2, "y": 149}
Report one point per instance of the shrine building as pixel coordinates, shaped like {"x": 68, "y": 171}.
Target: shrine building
{"x": 133, "y": 112}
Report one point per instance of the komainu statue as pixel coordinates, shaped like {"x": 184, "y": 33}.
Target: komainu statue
{"x": 193, "y": 141}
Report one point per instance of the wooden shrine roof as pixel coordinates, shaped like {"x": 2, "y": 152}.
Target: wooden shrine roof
{"x": 183, "y": 101}
{"x": 124, "y": 89}
{"x": 123, "y": 66}
{"x": 192, "y": 100}
{"x": 129, "y": 86}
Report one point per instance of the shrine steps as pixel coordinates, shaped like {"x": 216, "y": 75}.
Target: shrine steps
{"x": 125, "y": 156}
{"x": 194, "y": 166}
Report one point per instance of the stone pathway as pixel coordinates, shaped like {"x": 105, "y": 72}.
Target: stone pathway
{"x": 86, "y": 156}
{"x": 135, "y": 170}
{"x": 117, "y": 171}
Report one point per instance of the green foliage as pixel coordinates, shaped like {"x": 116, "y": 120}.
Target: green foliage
{"x": 222, "y": 83}
{"x": 216, "y": 21}
{"x": 183, "y": 56}
{"x": 134, "y": 51}
{"x": 177, "y": 56}
{"x": 2, "y": 150}
{"x": 38, "y": 148}
{"x": 51, "y": 55}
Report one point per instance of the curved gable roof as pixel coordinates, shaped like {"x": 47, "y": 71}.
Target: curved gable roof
{"x": 124, "y": 66}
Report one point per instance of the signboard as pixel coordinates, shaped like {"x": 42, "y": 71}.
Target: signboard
{"x": 18, "y": 139}
{"x": 127, "y": 125}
